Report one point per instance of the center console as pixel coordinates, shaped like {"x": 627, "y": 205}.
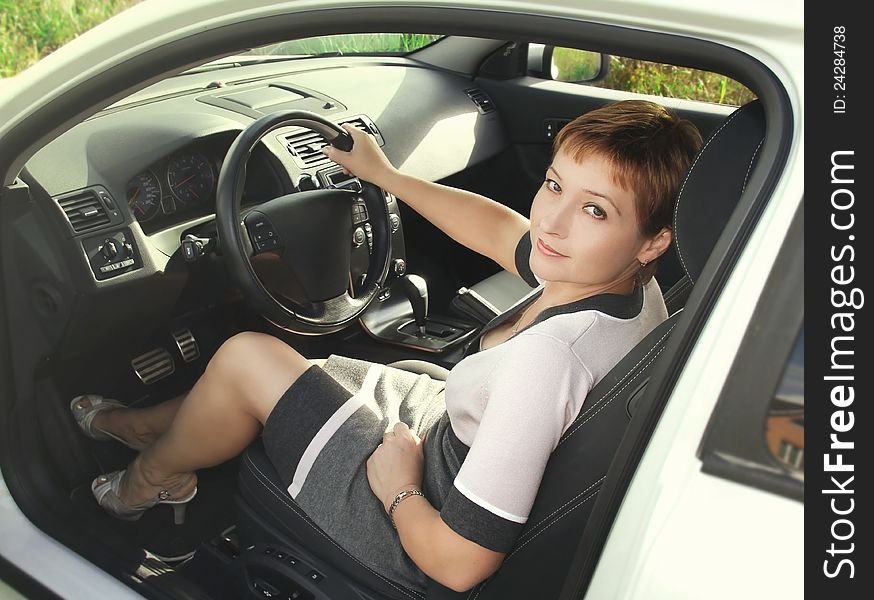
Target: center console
{"x": 400, "y": 316}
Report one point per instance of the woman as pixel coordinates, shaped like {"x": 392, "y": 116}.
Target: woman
{"x": 346, "y": 436}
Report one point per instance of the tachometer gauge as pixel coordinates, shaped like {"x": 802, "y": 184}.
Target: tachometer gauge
{"x": 191, "y": 178}
{"x": 144, "y": 196}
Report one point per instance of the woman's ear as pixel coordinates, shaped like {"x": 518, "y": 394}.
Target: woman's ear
{"x": 655, "y": 246}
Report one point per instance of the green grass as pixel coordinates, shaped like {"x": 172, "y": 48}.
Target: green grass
{"x": 31, "y": 29}
{"x": 352, "y": 43}
{"x": 644, "y": 77}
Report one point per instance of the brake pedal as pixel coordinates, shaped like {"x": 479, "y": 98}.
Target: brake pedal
{"x": 187, "y": 344}
{"x": 153, "y": 365}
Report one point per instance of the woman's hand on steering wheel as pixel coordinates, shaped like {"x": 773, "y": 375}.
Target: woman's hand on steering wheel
{"x": 366, "y": 160}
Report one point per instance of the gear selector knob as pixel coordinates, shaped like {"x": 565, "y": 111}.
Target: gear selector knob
{"x": 416, "y": 290}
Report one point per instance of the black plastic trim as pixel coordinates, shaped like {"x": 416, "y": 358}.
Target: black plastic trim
{"x": 736, "y": 427}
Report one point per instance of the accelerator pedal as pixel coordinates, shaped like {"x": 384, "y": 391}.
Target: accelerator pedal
{"x": 187, "y": 344}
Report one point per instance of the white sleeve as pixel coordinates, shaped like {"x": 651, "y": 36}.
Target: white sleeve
{"x": 533, "y": 395}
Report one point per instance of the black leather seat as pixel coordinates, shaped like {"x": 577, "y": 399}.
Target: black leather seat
{"x": 538, "y": 564}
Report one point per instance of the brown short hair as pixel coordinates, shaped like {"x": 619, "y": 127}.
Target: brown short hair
{"x": 650, "y": 149}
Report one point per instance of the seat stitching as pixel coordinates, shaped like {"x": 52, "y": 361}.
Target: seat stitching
{"x": 750, "y": 167}
{"x": 686, "y": 179}
{"x": 582, "y": 420}
{"x": 627, "y": 373}
{"x": 589, "y": 408}
{"x": 556, "y": 520}
{"x": 560, "y": 508}
{"x": 678, "y": 288}
{"x": 616, "y": 395}
{"x": 272, "y": 489}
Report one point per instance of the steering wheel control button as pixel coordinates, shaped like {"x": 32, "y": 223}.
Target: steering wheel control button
{"x": 270, "y": 243}
{"x": 358, "y": 237}
{"x": 399, "y": 267}
{"x": 359, "y": 212}
{"x": 264, "y": 237}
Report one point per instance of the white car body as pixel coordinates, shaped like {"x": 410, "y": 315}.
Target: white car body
{"x": 681, "y": 533}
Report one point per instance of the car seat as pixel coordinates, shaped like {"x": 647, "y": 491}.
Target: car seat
{"x": 276, "y": 533}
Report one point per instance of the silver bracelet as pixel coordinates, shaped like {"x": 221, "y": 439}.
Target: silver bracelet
{"x": 401, "y": 496}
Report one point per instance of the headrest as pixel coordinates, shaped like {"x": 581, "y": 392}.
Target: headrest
{"x": 714, "y": 184}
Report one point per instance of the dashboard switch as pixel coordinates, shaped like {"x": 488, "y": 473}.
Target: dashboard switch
{"x": 109, "y": 249}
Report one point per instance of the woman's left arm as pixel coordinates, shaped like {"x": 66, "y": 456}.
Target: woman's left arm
{"x": 440, "y": 552}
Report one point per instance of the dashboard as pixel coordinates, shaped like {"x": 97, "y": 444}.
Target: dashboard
{"x": 143, "y": 171}
{"x": 126, "y": 197}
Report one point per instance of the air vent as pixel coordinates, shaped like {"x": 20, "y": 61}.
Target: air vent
{"x": 306, "y": 145}
{"x": 481, "y": 99}
{"x": 84, "y": 211}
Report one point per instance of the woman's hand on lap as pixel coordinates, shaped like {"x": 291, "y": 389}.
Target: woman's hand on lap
{"x": 396, "y": 464}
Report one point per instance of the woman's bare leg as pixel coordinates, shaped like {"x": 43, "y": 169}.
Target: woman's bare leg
{"x": 142, "y": 426}
{"x": 139, "y": 427}
{"x": 220, "y": 416}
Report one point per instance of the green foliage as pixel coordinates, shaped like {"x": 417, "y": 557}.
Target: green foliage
{"x": 31, "y": 29}
{"x": 669, "y": 81}
{"x": 366, "y": 43}
{"x": 570, "y": 64}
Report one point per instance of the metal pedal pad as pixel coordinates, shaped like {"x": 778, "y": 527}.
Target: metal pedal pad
{"x": 153, "y": 365}
{"x": 187, "y": 344}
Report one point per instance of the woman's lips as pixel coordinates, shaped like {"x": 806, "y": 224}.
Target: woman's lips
{"x": 547, "y": 250}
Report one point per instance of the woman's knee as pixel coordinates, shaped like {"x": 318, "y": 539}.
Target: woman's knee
{"x": 249, "y": 352}
{"x": 257, "y": 367}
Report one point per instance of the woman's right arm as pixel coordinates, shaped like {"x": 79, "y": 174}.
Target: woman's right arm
{"x": 477, "y": 222}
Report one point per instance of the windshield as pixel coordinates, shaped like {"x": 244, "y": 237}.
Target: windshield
{"x": 359, "y": 43}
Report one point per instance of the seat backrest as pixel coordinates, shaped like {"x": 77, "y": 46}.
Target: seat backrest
{"x": 575, "y": 473}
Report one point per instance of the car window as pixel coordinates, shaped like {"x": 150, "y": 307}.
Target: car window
{"x": 359, "y": 43}
{"x": 645, "y": 77}
{"x": 784, "y": 425}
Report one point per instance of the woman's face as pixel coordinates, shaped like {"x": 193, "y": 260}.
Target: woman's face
{"x": 584, "y": 227}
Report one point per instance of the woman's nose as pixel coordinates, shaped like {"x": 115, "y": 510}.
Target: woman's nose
{"x": 556, "y": 219}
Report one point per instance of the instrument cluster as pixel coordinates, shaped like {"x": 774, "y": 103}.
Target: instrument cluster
{"x": 183, "y": 181}
{"x": 182, "y": 185}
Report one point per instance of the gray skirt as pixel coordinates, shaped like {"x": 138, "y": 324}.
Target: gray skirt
{"x": 320, "y": 435}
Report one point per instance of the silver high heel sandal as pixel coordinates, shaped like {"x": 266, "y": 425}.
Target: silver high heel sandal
{"x": 84, "y": 416}
{"x": 105, "y": 490}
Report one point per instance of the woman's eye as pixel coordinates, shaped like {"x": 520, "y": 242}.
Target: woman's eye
{"x": 595, "y": 211}
{"x": 553, "y": 186}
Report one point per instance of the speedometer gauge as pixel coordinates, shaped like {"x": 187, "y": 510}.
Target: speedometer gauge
{"x": 191, "y": 178}
{"x": 144, "y": 196}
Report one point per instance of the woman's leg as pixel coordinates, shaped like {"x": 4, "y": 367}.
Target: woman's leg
{"x": 138, "y": 427}
{"x": 220, "y": 416}
{"x": 142, "y": 426}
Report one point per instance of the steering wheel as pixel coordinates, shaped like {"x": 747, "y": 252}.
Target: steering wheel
{"x": 310, "y": 232}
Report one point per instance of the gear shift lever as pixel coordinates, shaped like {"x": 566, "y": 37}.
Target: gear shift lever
{"x": 416, "y": 290}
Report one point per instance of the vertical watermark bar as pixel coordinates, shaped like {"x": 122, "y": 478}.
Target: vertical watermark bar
{"x": 838, "y": 240}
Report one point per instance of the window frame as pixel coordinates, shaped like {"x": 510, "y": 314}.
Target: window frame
{"x": 734, "y": 446}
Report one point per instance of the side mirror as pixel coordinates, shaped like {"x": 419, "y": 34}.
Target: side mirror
{"x": 567, "y": 64}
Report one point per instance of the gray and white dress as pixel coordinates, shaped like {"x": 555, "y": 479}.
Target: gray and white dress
{"x": 489, "y": 428}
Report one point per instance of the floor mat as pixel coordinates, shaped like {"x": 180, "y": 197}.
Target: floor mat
{"x": 209, "y": 513}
